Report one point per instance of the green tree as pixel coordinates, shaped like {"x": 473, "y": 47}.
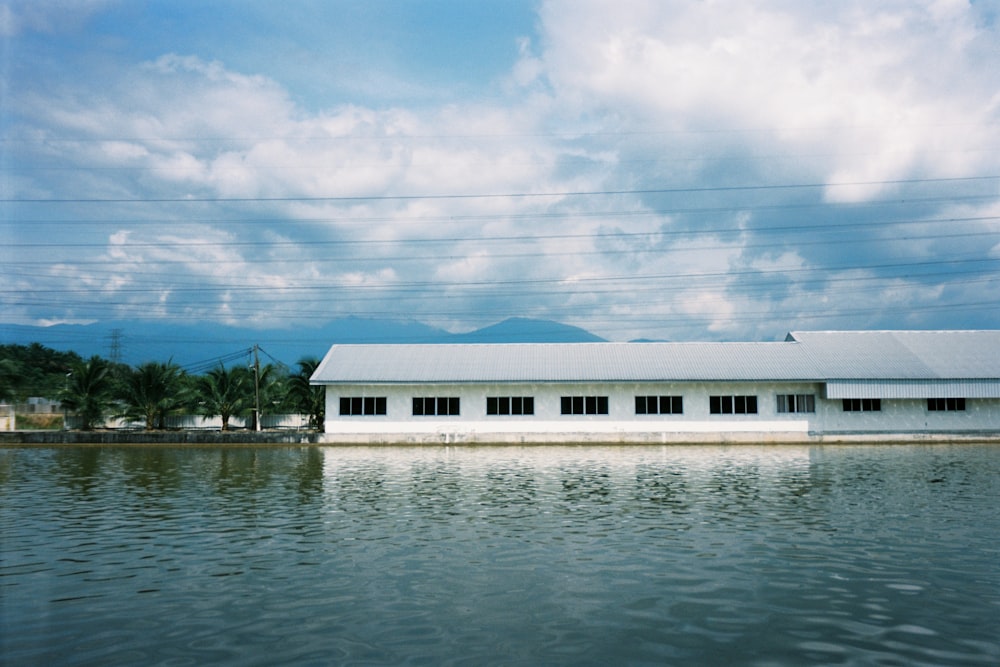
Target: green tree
{"x": 152, "y": 392}
{"x": 88, "y": 391}
{"x": 8, "y": 379}
{"x": 36, "y": 370}
{"x": 270, "y": 384}
{"x": 305, "y": 398}
{"x": 226, "y": 393}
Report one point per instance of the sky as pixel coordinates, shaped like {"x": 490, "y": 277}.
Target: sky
{"x": 661, "y": 169}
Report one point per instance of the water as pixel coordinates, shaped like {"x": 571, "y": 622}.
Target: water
{"x": 500, "y": 556}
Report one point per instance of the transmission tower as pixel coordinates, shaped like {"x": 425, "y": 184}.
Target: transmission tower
{"x": 115, "y": 345}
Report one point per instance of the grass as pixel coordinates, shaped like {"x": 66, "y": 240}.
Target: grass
{"x": 39, "y": 422}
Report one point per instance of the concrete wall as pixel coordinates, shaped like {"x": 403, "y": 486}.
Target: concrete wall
{"x": 549, "y": 425}
{"x": 197, "y": 422}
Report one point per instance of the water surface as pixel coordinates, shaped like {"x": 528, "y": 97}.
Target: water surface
{"x": 572, "y": 555}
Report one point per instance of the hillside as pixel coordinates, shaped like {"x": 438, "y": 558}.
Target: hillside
{"x": 194, "y": 346}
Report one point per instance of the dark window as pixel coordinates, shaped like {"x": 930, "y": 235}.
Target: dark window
{"x": 659, "y": 405}
{"x": 584, "y": 405}
{"x": 796, "y": 403}
{"x": 510, "y": 405}
{"x": 862, "y": 405}
{"x": 355, "y": 406}
{"x": 945, "y": 404}
{"x": 430, "y": 406}
{"x": 729, "y": 405}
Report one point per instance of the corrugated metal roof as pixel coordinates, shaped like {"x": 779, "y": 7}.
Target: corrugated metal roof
{"x": 912, "y": 389}
{"x": 570, "y": 362}
{"x": 803, "y": 356}
{"x": 900, "y": 355}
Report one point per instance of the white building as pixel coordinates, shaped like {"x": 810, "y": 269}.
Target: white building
{"x": 811, "y": 387}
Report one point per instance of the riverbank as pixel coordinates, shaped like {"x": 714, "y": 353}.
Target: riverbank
{"x": 310, "y": 437}
{"x": 171, "y": 437}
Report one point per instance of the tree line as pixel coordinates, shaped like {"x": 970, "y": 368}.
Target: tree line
{"x": 96, "y": 389}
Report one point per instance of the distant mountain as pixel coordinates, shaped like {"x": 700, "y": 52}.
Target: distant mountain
{"x": 197, "y": 347}
{"x": 525, "y": 330}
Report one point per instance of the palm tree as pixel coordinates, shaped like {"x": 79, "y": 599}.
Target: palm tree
{"x": 226, "y": 393}
{"x": 88, "y": 391}
{"x": 152, "y": 392}
{"x": 305, "y": 398}
{"x": 270, "y": 387}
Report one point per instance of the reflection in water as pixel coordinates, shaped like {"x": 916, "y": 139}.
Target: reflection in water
{"x": 585, "y": 483}
{"x": 437, "y": 488}
{"x": 509, "y": 487}
{"x": 543, "y": 555}
{"x": 77, "y": 468}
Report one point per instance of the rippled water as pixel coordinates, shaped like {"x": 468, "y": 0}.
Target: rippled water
{"x": 500, "y": 556}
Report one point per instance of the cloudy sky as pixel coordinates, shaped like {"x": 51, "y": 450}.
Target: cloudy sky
{"x": 644, "y": 169}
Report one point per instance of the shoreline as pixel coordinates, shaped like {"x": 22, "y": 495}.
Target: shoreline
{"x": 175, "y": 438}
{"x": 165, "y": 438}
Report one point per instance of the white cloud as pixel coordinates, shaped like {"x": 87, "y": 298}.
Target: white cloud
{"x": 882, "y": 90}
{"x": 48, "y": 16}
{"x": 671, "y": 105}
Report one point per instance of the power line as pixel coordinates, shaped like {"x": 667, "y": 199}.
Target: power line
{"x": 509, "y": 195}
{"x": 537, "y": 215}
{"x": 783, "y": 229}
{"x": 198, "y": 367}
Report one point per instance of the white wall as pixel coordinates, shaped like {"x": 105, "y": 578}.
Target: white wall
{"x": 7, "y": 419}
{"x": 205, "y": 423}
{"x": 896, "y": 415}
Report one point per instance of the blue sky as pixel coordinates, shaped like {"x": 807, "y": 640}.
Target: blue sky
{"x": 643, "y": 169}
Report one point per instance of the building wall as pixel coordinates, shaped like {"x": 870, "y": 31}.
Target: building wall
{"x": 7, "y": 419}
{"x": 473, "y": 423}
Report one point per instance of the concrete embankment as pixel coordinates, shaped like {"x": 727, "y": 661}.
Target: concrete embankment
{"x": 183, "y": 437}
{"x": 305, "y": 437}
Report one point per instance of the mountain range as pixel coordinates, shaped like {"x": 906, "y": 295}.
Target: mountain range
{"x": 197, "y": 347}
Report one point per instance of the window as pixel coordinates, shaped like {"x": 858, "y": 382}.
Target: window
{"x": 945, "y": 404}
{"x": 354, "y": 406}
{"x": 584, "y": 405}
{"x": 510, "y": 405}
{"x": 862, "y": 405}
{"x": 796, "y": 403}
{"x": 659, "y": 405}
{"x": 732, "y": 405}
{"x": 440, "y": 405}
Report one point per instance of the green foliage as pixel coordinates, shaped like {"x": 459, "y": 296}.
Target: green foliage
{"x": 88, "y": 391}
{"x": 226, "y": 393}
{"x": 271, "y": 387}
{"x": 305, "y": 398}
{"x": 152, "y": 392}
{"x": 33, "y": 370}
{"x": 8, "y": 376}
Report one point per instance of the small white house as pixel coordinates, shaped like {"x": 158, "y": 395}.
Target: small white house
{"x": 811, "y": 387}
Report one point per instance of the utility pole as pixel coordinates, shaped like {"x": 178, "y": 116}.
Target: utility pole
{"x": 256, "y": 388}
